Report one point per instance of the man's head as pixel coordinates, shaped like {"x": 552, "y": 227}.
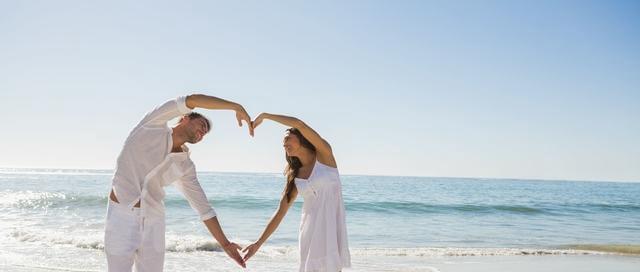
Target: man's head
{"x": 195, "y": 126}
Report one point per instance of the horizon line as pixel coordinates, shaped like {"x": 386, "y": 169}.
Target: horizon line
{"x": 351, "y": 174}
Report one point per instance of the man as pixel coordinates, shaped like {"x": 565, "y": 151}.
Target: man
{"x": 154, "y": 155}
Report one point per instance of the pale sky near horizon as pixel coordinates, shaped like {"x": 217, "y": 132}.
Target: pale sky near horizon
{"x": 508, "y": 89}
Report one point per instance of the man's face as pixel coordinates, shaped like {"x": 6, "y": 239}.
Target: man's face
{"x": 196, "y": 129}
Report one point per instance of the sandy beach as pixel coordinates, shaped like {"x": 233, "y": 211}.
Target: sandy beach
{"x": 216, "y": 262}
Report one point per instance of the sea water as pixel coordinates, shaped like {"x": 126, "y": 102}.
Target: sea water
{"x": 53, "y": 220}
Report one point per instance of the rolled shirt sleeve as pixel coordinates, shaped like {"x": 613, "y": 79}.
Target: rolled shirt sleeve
{"x": 192, "y": 191}
{"x": 164, "y": 113}
{"x": 182, "y": 105}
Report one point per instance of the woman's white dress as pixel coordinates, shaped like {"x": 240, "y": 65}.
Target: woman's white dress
{"x": 323, "y": 230}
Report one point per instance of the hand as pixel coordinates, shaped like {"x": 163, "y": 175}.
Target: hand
{"x": 256, "y": 122}
{"x": 250, "y": 250}
{"x": 242, "y": 115}
{"x": 232, "y": 250}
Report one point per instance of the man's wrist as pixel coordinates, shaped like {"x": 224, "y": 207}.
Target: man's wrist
{"x": 225, "y": 244}
{"x": 236, "y": 107}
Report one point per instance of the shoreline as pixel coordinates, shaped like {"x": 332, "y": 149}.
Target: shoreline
{"x": 265, "y": 263}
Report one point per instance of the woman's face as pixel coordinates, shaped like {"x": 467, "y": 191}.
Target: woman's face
{"x": 291, "y": 144}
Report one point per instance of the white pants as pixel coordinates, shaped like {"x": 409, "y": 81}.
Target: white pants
{"x": 130, "y": 239}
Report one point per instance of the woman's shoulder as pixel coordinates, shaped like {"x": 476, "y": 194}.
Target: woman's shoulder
{"x": 326, "y": 165}
{"x": 326, "y": 160}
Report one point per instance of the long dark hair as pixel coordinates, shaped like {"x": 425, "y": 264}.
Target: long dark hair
{"x": 293, "y": 163}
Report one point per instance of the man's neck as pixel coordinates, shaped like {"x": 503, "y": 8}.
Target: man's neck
{"x": 177, "y": 140}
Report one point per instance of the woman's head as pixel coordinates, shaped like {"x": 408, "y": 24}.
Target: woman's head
{"x": 294, "y": 143}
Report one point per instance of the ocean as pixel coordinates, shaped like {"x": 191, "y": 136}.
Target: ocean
{"x": 53, "y": 220}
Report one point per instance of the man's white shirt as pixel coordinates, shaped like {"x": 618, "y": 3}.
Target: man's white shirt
{"x": 146, "y": 164}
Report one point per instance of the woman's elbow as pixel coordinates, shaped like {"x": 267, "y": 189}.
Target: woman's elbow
{"x": 299, "y": 124}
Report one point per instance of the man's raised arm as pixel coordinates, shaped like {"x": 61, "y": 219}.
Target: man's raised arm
{"x": 215, "y": 103}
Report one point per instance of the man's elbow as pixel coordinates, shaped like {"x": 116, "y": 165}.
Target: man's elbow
{"x": 192, "y": 100}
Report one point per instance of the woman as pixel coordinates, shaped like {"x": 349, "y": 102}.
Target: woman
{"x": 312, "y": 172}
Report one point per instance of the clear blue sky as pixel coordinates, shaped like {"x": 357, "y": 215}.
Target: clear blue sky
{"x": 522, "y": 89}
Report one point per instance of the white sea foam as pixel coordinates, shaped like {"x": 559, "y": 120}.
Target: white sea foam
{"x": 455, "y": 251}
{"x": 49, "y": 238}
{"x": 193, "y": 243}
